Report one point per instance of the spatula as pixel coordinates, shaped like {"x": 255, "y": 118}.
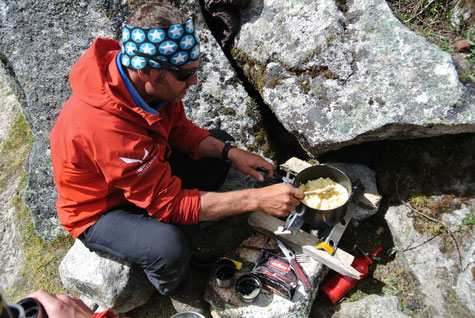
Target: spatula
{"x": 319, "y": 190}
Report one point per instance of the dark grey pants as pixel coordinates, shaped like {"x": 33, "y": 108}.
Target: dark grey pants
{"x": 163, "y": 250}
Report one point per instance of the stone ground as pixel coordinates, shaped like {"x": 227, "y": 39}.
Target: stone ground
{"x": 406, "y": 170}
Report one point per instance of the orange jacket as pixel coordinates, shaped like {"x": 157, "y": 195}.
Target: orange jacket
{"x": 107, "y": 151}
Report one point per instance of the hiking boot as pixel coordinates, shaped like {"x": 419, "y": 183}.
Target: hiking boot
{"x": 190, "y": 297}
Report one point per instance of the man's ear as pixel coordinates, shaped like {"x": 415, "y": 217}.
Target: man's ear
{"x": 144, "y": 74}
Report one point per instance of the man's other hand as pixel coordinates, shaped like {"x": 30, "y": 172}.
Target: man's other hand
{"x": 247, "y": 162}
{"x": 62, "y": 306}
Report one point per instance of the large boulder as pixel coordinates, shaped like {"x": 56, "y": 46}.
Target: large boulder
{"x": 40, "y": 42}
{"x": 103, "y": 280}
{"x": 338, "y": 74}
{"x": 49, "y": 37}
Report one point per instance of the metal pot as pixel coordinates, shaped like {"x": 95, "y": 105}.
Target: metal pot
{"x": 322, "y": 218}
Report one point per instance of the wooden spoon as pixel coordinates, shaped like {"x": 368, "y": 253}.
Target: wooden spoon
{"x": 319, "y": 190}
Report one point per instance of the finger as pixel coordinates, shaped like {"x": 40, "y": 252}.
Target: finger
{"x": 299, "y": 194}
{"x": 267, "y": 171}
{"x": 270, "y": 172}
{"x": 294, "y": 202}
{"x": 255, "y": 174}
{"x": 43, "y": 296}
{"x": 284, "y": 213}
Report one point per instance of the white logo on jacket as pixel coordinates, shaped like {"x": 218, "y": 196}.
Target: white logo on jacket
{"x": 129, "y": 160}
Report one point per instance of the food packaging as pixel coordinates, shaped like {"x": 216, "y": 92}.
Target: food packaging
{"x": 276, "y": 274}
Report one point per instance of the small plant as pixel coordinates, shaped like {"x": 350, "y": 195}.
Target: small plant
{"x": 418, "y": 200}
{"x": 467, "y": 222}
{"x": 432, "y": 228}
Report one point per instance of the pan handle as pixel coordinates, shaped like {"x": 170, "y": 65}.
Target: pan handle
{"x": 357, "y": 192}
{"x": 294, "y": 222}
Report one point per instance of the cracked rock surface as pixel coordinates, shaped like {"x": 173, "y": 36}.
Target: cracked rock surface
{"x": 336, "y": 76}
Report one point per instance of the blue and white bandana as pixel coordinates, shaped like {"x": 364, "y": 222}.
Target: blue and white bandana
{"x": 177, "y": 44}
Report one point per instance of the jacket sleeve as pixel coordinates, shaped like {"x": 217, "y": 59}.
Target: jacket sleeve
{"x": 185, "y": 135}
{"x": 104, "y": 314}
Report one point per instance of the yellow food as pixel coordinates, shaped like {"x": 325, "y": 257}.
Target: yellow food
{"x": 327, "y": 200}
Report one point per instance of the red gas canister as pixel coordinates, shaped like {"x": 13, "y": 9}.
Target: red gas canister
{"x": 339, "y": 285}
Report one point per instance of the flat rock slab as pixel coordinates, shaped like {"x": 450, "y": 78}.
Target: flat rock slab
{"x": 225, "y": 302}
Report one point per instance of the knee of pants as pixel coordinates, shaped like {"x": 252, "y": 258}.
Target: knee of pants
{"x": 172, "y": 255}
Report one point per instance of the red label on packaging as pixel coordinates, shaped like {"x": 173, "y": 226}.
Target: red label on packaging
{"x": 278, "y": 265}
{"x": 272, "y": 275}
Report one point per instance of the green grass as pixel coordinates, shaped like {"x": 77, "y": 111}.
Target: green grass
{"x": 433, "y": 20}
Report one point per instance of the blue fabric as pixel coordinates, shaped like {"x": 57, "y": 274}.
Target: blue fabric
{"x": 133, "y": 92}
{"x": 177, "y": 45}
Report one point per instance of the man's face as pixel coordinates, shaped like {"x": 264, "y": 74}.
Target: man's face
{"x": 165, "y": 86}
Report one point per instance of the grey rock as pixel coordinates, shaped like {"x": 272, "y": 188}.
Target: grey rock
{"x": 219, "y": 100}
{"x": 40, "y": 42}
{"x": 12, "y": 257}
{"x": 465, "y": 284}
{"x": 421, "y": 255}
{"x": 372, "y": 306}
{"x": 107, "y": 281}
{"x": 335, "y": 78}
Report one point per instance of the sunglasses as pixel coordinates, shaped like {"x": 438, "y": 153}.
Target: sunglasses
{"x": 181, "y": 74}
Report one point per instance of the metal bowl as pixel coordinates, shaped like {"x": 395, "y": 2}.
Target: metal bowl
{"x": 224, "y": 270}
{"x": 248, "y": 287}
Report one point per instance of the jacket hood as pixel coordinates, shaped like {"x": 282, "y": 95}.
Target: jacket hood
{"x": 95, "y": 78}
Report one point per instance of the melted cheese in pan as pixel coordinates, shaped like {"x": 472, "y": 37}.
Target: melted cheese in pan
{"x": 326, "y": 200}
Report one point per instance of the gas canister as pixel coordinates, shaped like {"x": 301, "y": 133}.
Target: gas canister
{"x": 339, "y": 285}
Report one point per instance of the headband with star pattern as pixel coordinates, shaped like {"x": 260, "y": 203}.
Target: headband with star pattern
{"x": 177, "y": 45}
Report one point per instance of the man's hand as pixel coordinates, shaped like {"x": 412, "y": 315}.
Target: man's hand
{"x": 247, "y": 162}
{"x": 279, "y": 199}
{"x": 62, "y": 306}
